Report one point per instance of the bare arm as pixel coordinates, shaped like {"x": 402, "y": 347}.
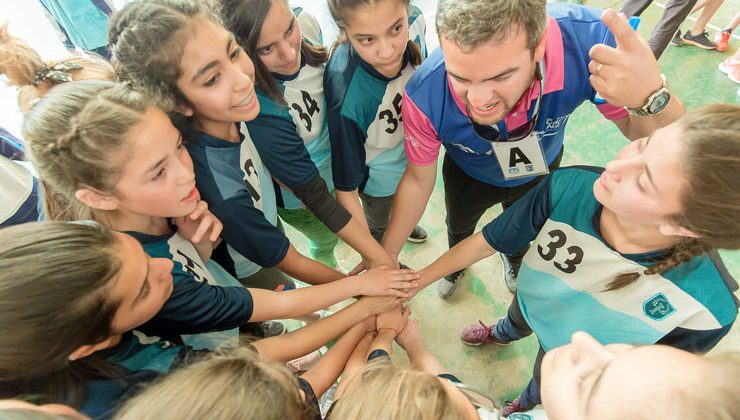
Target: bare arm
{"x": 421, "y": 358}
{"x": 636, "y": 126}
{"x": 269, "y": 304}
{"x": 307, "y": 270}
{"x": 411, "y": 200}
{"x": 359, "y": 238}
{"x": 464, "y": 254}
{"x": 309, "y": 338}
{"x": 355, "y": 364}
{"x": 350, "y": 200}
{"x": 325, "y": 372}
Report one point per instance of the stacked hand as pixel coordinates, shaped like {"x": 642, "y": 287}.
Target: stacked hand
{"x": 385, "y": 282}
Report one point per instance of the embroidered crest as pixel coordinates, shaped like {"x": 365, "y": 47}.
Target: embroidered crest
{"x": 658, "y": 307}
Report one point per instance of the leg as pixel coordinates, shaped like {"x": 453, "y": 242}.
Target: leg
{"x": 635, "y": 7}
{"x": 675, "y": 13}
{"x": 531, "y": 394}
{"x": 513, "y": 326}
{"x": 377, "y": 212}
{"x": 268, "y": 278}
{"x": 322, "y": 241}
{"x": 709, "y": 9}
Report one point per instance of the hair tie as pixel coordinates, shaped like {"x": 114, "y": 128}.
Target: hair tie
{"x": 57, "y": 73}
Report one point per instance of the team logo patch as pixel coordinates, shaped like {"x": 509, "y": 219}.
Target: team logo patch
{"x": 658, "y": 307}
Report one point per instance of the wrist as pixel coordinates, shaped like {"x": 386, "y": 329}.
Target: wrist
{"x": 388, "y": 332}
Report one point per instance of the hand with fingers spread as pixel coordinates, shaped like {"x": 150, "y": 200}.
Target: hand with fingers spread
{"x": 628, "y": 74}
{"x": 385, "y": 282}
{"x": 395, "y": 319}
{"x": 201, "y": 228}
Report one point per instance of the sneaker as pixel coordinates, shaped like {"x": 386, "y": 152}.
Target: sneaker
{"x": 480, "y": 333}
{"x": 418, "y": 235}
{"x": 511, "y": 271}
{"x": 731, "y": 68}
{"x": 676, "y": 40}
{"x": 263, "y": 329}
{"x": 447, "y": 285}
{"x": 722, "y": 39}
{"x": 701, "y": 40}
{"x": 304, "y": 363}
{"x": 511, "y": 407}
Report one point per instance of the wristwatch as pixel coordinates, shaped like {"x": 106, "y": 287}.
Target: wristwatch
{"x": 655, "y": 103}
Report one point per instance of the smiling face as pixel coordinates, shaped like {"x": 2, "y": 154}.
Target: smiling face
{"x": 644, "y": 183}
{"x": 217, "y": 79}
{"x": 157, "y": 178}
{"x": 142, "y": 285}
{"x": 379, "y": 32}
{"x": 279, "y": 45}
{"x": 586, "y": 380}
{"x": 489, "y": 85}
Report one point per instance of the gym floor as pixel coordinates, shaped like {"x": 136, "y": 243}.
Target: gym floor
{"x": 502, "y": 372}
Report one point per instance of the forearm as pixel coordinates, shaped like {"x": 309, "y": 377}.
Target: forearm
{"x": 309, "y": 338}
{"x": 638, "y": 126}
{"x": 350, "y": 200}
{"x": 421, "y": 358}
{"x": 464, "y": 254}
{"x": 355, "y": 364}
{"x": 307, "y": 270}
{"x": 383, "y": 341}
{"x": 301, "y": 301}
{"x": 359, "y": 238}
{"x": 411, "y": 200}
{"x": 326, "y": 371}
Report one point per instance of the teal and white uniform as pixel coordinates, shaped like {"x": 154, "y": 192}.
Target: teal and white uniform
{"x": 365, "y": 118}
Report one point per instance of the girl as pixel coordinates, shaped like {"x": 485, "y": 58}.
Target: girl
{"x": 364, "y": 84}
{"x": 214, "y": 88}
{"x": 119, "y": 160}
{"x": 624, "y": 253}
{"x": 67, "y": 316}
{"x": 236, "y": 384}
{"x": 426, "y": 391}
{"x": 34, "y": 76}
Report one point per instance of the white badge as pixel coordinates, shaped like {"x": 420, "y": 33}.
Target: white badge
{"x": 521, "y": 158}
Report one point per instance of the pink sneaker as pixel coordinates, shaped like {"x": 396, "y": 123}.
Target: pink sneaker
{"x": 480, "y": 333}
{"x": 722, "y": 39}
{"x": 731, "y": 68}
{"x": 512, "y": 407}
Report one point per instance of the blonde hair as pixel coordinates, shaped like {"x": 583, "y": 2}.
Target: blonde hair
{"x": 232, "y": 384}
{"x": 75, "y": 137}
{"x": 386, "y": 392}
{"x": 711, "y": 199}
{"x": 25, "y": 68}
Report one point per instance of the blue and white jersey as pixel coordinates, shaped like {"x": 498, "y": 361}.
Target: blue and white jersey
{"x": 238, "y": 188}
{"x": 205, "y": 298}
{"x": 293, "y": 139}
{"x": 141, "y": 364}
{"x": 561, "y": 281}
{"x": 365, "y": 122}
{"x": 18, "y": 193}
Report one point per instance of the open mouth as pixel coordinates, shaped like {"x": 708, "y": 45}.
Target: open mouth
{"x": 193, "y": 196}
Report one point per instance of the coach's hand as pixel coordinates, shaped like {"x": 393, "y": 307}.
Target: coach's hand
{"x": 628, "y": 74}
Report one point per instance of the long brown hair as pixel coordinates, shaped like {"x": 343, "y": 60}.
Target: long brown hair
{"x": 339, "y": 10}
{"x": 711, "y": 198}
{"x": 55, "y": 282}
{"x": 245, "y": 18}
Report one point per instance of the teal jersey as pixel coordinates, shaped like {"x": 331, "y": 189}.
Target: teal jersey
{"x": 293, "y": 138}
{"x": 365, "y": 122}
{"x": 561, "y": 281}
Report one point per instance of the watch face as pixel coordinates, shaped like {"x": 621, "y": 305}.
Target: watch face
{"x": 660, "y": 102}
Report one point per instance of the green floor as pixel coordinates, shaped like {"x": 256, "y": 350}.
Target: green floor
{"x": 503, "y": 372}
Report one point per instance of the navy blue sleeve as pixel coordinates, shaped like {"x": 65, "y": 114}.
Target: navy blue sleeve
{"x": 198, "y": 307}
{"x": 695, "y": 341}
{"x": 347, "y": 138}
{"x": 521, "y": 222}
{"x": 249, "y": 233}
{"x": 282, "y": 151}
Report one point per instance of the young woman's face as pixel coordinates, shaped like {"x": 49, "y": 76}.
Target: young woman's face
{"x": 279, "y": 45}
{"x": 586, "y": 380}
{"x": 55, "y": 410}
{"x": 217, "y": 77}
{"x": 157, "y": 179}
{"x": 142, "y": 285}
{"x": 644, "y": 183}
{"x": 379, "y": 33}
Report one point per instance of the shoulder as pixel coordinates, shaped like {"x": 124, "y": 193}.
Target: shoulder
{"x": 429, "y": 77}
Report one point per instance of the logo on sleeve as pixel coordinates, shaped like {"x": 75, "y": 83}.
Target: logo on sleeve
{"x": 658, "y": 307}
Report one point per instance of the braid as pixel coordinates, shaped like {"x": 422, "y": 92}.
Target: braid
{"x": 682, "y": 252}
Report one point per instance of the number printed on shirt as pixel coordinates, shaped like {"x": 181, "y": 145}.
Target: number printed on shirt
{"x": 307, "y": 110}
{"x": 567, "y": 258}
{"x": 392, "y": 115}
{"x": 250, "y": 176}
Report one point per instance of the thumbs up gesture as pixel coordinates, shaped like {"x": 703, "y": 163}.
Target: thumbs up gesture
{"x": 625, "y": 75}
